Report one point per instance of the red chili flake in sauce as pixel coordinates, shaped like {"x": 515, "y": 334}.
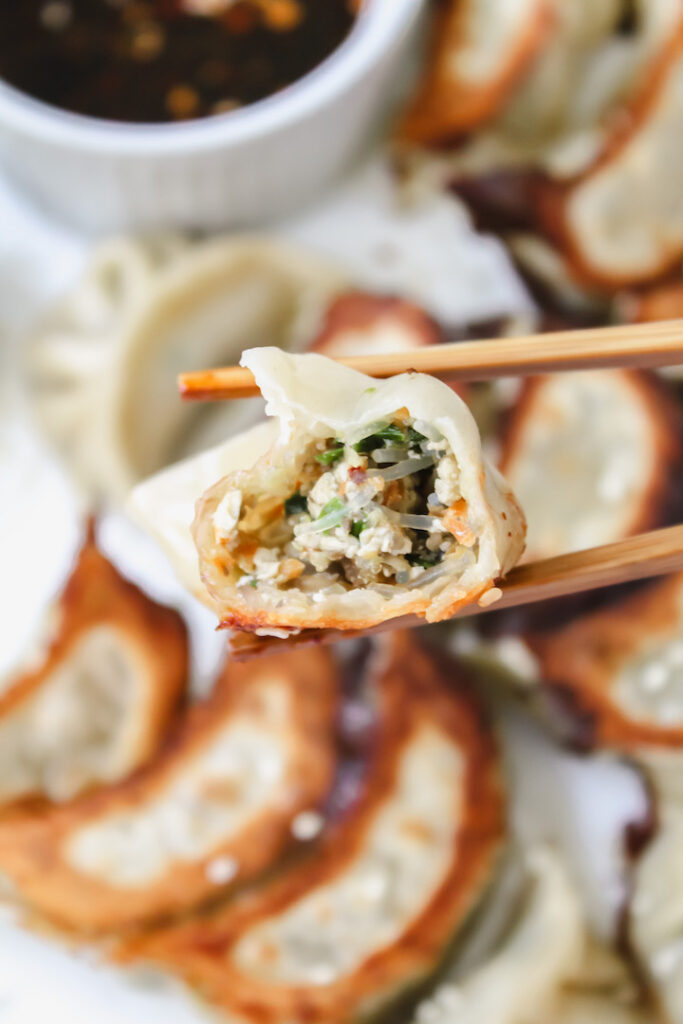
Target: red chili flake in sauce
{"x": 150, "y": 61}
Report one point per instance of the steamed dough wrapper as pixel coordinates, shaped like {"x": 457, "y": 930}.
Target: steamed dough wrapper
{"x": 104, "y": 363}
{"x": 655, "y": 920}
{"x": 99, "y": 700}
{"x": 526, "y": 945}
{"x": 374, "y": 502}
{"x": 207, "y": 815}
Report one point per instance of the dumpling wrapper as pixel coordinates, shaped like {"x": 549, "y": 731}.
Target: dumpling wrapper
{"x": 96, "y": 701}
{"x": 521, "y": 980}
{"x": 613, "y": 681}
{"x": 104, "y": 363}
{"x": 587, "y": 137}
{"x": 211, "y": 811}
{"x": 655, "y": 917}
{"x": 164, "y": 505}
{"x": 479, "y": 52}
{"x": 370, "y": 912}
{"x": 315, "y": 398}
{"x": 362, "y": 323}
{"x": 559, "y": 77}
{"x": 621, "y": 223}
{"x": 616, "y": 674}
{"x": 593, "y": 457}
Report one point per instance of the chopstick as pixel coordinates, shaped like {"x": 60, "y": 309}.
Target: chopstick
{"x": 638, "y": 345}
{"x": 636, "y": 558}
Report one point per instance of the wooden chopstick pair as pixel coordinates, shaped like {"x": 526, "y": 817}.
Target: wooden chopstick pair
{"x": 636, "y": 346}
{"x": 643, "y": 346}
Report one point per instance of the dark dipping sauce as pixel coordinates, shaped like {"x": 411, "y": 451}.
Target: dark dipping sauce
{"x": 150, "y": 62}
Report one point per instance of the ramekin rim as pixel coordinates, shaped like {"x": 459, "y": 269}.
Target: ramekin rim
{"x": 379, "y": 29}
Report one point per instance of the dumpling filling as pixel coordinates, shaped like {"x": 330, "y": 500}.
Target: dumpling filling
{"x": 383, "y": 506}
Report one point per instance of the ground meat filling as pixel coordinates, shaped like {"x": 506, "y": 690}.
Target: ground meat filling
{"x": 380, "y": 508}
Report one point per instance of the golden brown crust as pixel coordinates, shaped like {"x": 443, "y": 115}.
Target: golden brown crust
{"x": 660, "y": 500}
{"x": 359, "y": 313}
{"x": 661, "y": 302}
{"x": 96, "y": 595}
{"x": 33, "y": 850}
{"x": 242, "y": 617}
{"x": 447, "y": 106}
{"x": 415, "y": 689}
{"x": 581, "y": 662}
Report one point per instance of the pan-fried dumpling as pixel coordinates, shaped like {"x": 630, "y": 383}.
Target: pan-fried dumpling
{"x": 585, "y": 135}
{"x": 105, "y": 363}
{"x": 211, "y": 811}
{"x": 374, "y": 502}
{"x": 480, "y": 49}
{"x": 593, "y": 457}
{"x": 562, "y": 117}
{"x": 618, "y": 673}
{"x": 622, "y": 222}
{"x": 370, "y": 913}
{"x": 520, "y": 979}
{"x": 529, "y": 958}
{"x": 555, "y": 112}
{"x": 99, "y": 700}
{"x": 360, "y": 323}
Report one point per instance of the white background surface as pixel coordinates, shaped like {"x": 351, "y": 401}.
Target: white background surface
{"x": 432, "y": 257}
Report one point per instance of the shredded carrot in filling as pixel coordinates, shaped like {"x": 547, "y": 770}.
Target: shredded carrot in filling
{"x": 385, "y": 507}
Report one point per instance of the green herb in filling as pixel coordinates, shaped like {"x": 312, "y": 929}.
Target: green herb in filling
{"x": 414, "y": 436}
{"x": 335, "y": 505}
{"x": 390, "y": 434}
{"x": 332, "y": 455}
{"x": 296, "y": 504}
{"x": 425, "y": 558}
{"x": 357, "y": 528}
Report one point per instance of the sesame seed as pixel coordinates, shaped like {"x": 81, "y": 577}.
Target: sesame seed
{"x": 321, "y": 974}
{"x": 221, "y": 870}
{"x": 654, "y": 676}
{"x": 490, "y": 597}
{"x": 307, "y": 825}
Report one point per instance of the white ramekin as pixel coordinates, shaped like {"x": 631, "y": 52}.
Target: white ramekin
{"x": 236, "y": 169}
